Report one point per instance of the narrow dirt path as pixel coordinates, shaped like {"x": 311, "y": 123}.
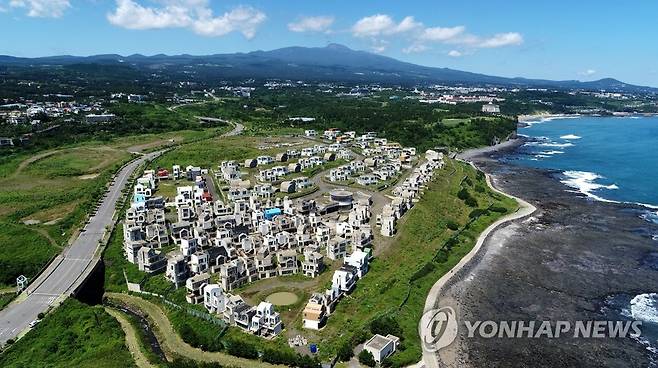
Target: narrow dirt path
{"x": 172, "y": 343}
{"x": 30, "y": 160}
{"x": 132, "y": 342}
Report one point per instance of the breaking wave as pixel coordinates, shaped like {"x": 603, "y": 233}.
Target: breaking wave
{"x": 585, "y": 183}
{"x": 644, "y": 307}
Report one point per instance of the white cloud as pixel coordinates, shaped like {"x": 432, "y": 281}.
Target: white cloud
{"x": 382, "y": 24}
{"x": 380, "y": 27}
{"x": 42, "y": 8}
{"x": 312, "y": 24}
{"x": 242, "y": 19}
{"x": 454, "y": 53}
{"x": 501, "y": 40}
{"x": 195, "y": 15}
{"x": 442, "y": 33}
{"x": 414, "y": 48}
{"x": 379, "y": 46}
{"x": 588, "y": 72}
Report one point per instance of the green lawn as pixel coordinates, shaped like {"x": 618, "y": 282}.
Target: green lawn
{"x": 74, "y": 335}
{"x": 23, "y": 251}
{"x": 5, "y": 299}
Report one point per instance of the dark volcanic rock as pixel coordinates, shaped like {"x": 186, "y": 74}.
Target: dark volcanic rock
{"x": 559, "y": 264}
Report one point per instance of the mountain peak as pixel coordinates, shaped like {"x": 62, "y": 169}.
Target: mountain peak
{"x": 337, "y": 46}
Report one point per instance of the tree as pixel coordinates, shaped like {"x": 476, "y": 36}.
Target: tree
{"x": 366, "y": 358}
{"x": 345, "y": 352}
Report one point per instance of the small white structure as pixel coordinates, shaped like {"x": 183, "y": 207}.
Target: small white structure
{"x": 266, "y": 322}
{"x": 358, "y": 260}
{"x": 21, "y": 282}
{"x": 214, "y": 299}
{"x": 491, "y": 108}
{"x": 344, "y": 279}
{"x": 381, "y": 347}
{"x": 315, "y": 312}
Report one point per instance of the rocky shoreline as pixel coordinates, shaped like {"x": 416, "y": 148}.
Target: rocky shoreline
{"x": 561, "y": 263}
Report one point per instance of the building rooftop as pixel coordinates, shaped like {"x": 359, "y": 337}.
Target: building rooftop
{"x": 378, "y": 342}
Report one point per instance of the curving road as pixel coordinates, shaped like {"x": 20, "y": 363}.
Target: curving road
{"x": 71, "y": 267}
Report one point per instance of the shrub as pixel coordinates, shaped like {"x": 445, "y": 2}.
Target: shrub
{"x": 345, "y": 352}
{"x": 385, "y": 325}
{"x": 366, "y": 358}
{"x": 452, "y": 225}
{"x": 477, "y": 213}
{"x": 498, "y": 209}
{"x": 442, "y": 256}
{"x": 426, "y": 269}
{"x": 242, "y": 349}
{"x": 471, "y": 202}
{"x": 463, "y": 194}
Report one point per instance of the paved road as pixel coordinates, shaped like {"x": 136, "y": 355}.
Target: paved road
{"x": 67, "y": 270}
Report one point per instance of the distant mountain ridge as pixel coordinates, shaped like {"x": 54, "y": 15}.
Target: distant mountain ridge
{"x": 331, "y": 63}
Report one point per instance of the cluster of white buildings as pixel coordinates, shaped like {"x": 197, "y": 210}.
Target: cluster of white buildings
{"x": 383, "y": 161}
{"x": 29, "y": 113}
{"x": 217, "y": 245}
{"x": 407, "y": 193}
{"x": 244, "y": 239}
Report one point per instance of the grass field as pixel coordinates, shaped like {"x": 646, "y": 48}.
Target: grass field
{"x": 209, "y": 153}
{"x": 74, "y": 335}
{"x": 53, "y": 190}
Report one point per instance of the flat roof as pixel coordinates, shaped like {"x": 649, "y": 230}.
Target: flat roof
{"x": 378, "y": 342}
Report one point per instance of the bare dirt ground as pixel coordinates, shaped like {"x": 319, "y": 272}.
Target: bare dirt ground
{"x": 132, "y": 342}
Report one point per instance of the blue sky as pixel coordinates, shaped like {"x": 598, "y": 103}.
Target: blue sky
{"x": 583, "y": 40}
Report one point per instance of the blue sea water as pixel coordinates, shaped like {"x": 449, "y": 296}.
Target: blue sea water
{"x": 608, "y": 159}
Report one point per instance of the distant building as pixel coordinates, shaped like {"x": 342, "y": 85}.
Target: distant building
{"x": 136, "y": 98}
{"x": 99, "y": 118}
{"x": 6, "y": 142}
{"x": 491, "y": 108}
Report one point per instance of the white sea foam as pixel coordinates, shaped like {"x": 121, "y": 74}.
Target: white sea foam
{"x": 585, "y": 183}
{"x": 644, "y": 307}
{"x": 545, "y": 119}
{"x": 550, "y": 152}
{"x": 555, "y": 145}
{"x": 570, "y": 137}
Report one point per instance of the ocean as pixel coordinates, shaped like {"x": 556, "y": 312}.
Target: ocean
{"x": 606, "y": 158}
{"x": 610, "y": 159}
